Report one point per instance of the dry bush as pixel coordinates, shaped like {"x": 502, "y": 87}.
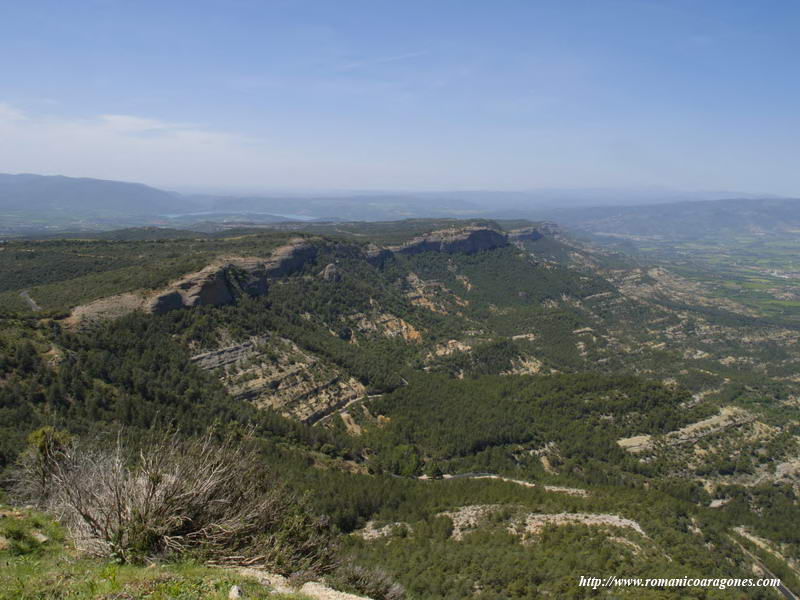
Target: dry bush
{"x": 210, "y": 499}
{"x": 375, "y": 583}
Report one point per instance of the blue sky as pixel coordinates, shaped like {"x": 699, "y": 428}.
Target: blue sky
{"x": 438, "y": 94}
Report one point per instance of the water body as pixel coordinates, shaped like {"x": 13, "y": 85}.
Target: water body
{"x": 228, "y": 213}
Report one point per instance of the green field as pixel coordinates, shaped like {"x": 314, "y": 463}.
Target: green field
{"x": 762, "y": 274}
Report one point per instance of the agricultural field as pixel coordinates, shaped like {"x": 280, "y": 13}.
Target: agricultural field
{"x": 761, "y": 272}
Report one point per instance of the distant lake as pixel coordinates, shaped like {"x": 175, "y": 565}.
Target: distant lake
{"x": 217, "y": 212}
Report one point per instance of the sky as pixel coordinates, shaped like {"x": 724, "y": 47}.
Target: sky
{"x": 404, "y": 94}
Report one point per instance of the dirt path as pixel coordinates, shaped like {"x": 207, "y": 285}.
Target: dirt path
{"x": 548, "y": 488}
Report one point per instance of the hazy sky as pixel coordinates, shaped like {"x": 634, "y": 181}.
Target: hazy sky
{"x": 435, "y": 94}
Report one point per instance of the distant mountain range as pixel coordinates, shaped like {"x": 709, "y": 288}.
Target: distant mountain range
{"x": 34, "y": 193}
{"x": 30, "y": 203}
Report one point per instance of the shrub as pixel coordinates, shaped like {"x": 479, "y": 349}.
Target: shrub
{"x": 375, "y": 583}
{"x": 214, "y": 500}
{"x": 38, "y": 461}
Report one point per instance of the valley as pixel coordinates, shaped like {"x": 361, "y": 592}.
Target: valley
{"x": 481, "y": 396}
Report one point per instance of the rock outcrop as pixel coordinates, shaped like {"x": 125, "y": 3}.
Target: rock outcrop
{"x": 229, "y": 355}
{"x": 525, "y": 234}
{"x": 469, "y": 240}
{"x": 330, "y": 273}
{"x": 387, "y": 325}
{"x": 535, "y": 232}
{"x": 209, "y": 286}
{"x": 220, "y": 282}
{"x": 274, "y": 372}
{"x": 377, "y": 256}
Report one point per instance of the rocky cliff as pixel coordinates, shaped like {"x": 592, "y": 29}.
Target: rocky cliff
{"x": 220, "y": 282}
{"x": 535, "y": 232}
{"x": 469, "y": 240}
{"x": 226, "y": 278}
{"x": 528, "y": 233}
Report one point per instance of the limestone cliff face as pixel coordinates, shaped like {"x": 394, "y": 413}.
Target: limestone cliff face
{"x": 376, "y": 256}
{"x": 223, "y": 280}
{"x": 469, "y": 240}
{"x": 208, "y": 286}
{"x": 535, "y": 232}
{"x": 219, "y": 283}
{"x": 527, "y": 233}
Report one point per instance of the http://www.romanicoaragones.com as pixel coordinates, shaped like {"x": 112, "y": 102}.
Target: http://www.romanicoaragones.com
{"x": 706, "y": 582}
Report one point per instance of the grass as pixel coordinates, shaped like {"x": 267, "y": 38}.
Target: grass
{"x": 37, "y": 563}
{"x": 785, "y": 303}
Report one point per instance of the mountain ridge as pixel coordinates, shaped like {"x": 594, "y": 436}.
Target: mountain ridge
{"x": 30, "y": 192}
{"x": 38, "y": 203}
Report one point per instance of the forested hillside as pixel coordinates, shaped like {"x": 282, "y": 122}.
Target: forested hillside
{"x": 477, "y": 409}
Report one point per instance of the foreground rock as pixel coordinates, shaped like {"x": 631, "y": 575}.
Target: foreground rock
{"x": 235, "y": 592}
{"x": 314, "y": 589}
